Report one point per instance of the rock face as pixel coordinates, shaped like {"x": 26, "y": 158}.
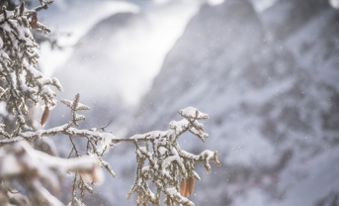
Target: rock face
{"x": 310, "y": 31}
{"x": 287, "y": 16}
{"x": 273, "y": 102}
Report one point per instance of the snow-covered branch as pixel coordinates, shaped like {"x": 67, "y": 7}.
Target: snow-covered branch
{"x": 35, "y": 170}
{"x": 21, "y": 83}
{"x": 163, "y": 164}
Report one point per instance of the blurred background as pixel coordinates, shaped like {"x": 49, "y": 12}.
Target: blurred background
{"x": 266, "y": 71}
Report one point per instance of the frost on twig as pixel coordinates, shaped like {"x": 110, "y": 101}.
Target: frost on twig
{"x": 162, "y": 164}
{"x": 21, "y": 83}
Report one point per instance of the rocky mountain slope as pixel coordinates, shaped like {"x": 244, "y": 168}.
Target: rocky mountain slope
{"x": 270, "y": 87}
{"x": 314, "y": 41}
{"x": 268, "y": 80}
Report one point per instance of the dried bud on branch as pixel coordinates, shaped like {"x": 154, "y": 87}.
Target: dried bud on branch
{"x": 44, "y": 116}
{"x": 187, "y": 186}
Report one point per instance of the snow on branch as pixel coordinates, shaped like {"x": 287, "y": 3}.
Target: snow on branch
{"x": 163, "y": 164}
{"x": 20, "y": 161}
{"x": 38, "y": 170}
{"x": 21, "y": 83}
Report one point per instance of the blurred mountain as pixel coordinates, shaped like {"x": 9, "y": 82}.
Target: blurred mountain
{"x": 268, "y": 80}
{"x": 269, "y": 83}
{"x": 312, "y": 37}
